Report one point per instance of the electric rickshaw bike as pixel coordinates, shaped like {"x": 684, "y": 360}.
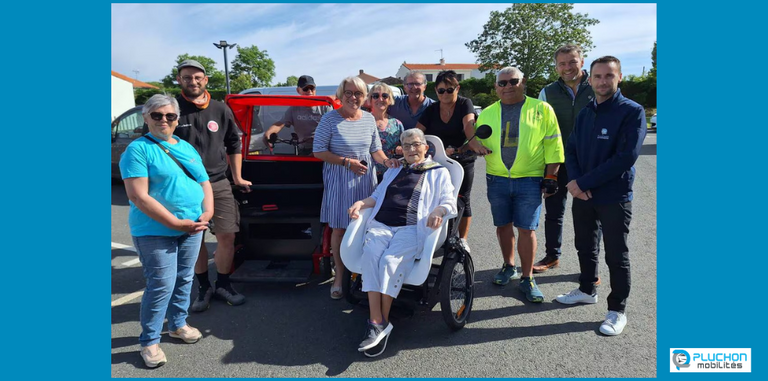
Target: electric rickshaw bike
{"x": 280, "y": 230}
{"x": 448, "y": 281}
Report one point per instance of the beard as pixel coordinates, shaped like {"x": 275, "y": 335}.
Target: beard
{"x": 193, "y": 93}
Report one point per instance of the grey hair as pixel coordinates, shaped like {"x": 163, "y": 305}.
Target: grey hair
{"x": 160, "y": 100}
{"x": 509, "y": 70}
{"x": 413, "y": 133}
{"x": 414, "y": 73}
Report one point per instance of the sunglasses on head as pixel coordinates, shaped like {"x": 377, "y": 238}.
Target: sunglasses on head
{"x": 376, "y": 96}
{"x": 450, "y": 90}
{"x": 308, "y": 88}
{"x": 513, "y": 82}
{"x": 158, "y": 116}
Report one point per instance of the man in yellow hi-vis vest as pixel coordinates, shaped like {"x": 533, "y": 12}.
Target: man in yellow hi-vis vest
{"x": 526, "y": 151}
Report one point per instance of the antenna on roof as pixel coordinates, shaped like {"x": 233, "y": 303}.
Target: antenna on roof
{"x": 137, "y": 74}
{"x": 441, "y": 53}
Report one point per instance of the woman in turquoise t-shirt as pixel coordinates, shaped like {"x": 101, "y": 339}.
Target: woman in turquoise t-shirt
{"x": 169, "y": 211}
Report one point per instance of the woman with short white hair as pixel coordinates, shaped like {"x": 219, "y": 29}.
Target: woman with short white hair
{"x": 410, "y": 202}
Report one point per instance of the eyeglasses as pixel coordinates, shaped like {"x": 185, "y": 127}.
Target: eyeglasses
{"x": 442, "y": 91}
{"x": 376, "y": 96}
{"x": 158, "y": 116}
{"x": 308, "y": 88}
{"x": 414, "y": 145}
{"x": 357, "y": 94}
{"x": 513, "y": 82}
{"x": 189, "y": 79}
{"x": 413, "y": 84}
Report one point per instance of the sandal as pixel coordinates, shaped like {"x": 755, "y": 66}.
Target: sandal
{"x": 336, "y": 293}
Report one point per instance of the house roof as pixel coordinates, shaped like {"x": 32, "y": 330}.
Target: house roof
{"x": 367, "y": 78}
{"x": 446, "y": 66}
{"x": 135, "y": 82}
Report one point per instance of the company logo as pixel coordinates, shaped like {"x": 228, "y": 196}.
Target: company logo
{"x": 603, "y": 134}
{"x": 711, "y": 360}
{"x": 681, "y": 358}
{"x": 213, "y": 126}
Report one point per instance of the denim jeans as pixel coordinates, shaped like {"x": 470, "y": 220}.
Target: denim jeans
{"x": 614, "y": 219}
{"x": 168, "y": 264}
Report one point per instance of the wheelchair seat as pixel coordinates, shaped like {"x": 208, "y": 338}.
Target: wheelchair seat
{"x": 352, "y": 243}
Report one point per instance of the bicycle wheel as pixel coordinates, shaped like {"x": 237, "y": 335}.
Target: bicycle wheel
{"x": 456, "y": 292}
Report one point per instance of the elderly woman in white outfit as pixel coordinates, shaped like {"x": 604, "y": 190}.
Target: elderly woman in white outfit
{"x": 409, "y": 202}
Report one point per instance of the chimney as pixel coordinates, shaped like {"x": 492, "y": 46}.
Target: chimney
{"x": 442, "y": 61}
{"x": 361, "y": 71}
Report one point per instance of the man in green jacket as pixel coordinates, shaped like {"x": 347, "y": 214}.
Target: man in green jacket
{"x": 524, "y": 143}
{"x": 567, "y": 96}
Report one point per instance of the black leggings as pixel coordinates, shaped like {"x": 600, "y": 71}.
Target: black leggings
{"x": 466, "y": 186}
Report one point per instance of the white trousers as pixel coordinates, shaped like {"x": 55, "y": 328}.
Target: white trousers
{"x": 388, "y": 257}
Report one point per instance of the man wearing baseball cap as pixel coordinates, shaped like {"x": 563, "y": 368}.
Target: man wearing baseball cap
{"x": 303, "y": 119}
{"x": 209, "y": 126}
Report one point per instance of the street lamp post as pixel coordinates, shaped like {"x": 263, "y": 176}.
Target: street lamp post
{"x": 223, "y": 45}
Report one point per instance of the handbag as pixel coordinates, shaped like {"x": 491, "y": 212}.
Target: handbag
{"x": 175, "y": 160}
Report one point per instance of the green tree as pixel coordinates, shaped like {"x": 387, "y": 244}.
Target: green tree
{"x": 254, "y": 63}
{"x": 290, "y": 81}
{"x": 215, "y": 77}
{"x": 526, "y": 36}
{"x": 652, "y": 72}
{"x": 240, "y": 83}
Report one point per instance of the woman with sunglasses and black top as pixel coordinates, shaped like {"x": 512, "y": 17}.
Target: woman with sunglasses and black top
{"x": 452, "y": 119}
{"x": 171, "y": 204}
{"x": 380, "y": 98}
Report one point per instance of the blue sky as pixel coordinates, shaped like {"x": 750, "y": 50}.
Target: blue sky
{"x": 332, "y": 41}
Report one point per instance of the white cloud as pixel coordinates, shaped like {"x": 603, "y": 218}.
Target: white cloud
{"x": 331, "y": 41}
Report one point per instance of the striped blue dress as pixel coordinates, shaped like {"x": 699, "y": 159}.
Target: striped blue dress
{"x": 357, "y": 139}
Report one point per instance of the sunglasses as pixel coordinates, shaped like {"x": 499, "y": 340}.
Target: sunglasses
{"x": 358, "y": 94}
{"x": 513, "y": 82}
{"x": 308, "y": 88}
{"x": 376, "y": 96}
{"x": 158, "y": 116}
{"x": 450, "y": 90}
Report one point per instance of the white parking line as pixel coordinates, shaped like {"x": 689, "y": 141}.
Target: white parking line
{"x": 120, "y": 246}
{"x": 127, "y": 298}
{"x": 116, "y": 245}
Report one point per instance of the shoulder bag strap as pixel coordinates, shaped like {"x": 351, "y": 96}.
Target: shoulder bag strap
{"x": 175, "y": 160}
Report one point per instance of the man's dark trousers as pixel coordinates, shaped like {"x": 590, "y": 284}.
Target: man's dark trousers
{"x": 553, "y": 219}
{"x": 614, "y": 219}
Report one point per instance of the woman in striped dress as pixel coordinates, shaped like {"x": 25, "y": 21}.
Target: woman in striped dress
{"x": 347, "y": 140}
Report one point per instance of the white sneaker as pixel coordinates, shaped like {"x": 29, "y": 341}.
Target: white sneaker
{"x": 576, "y": 296}
{"x": 614, "y": 323}
{"x": 465, "y": 244}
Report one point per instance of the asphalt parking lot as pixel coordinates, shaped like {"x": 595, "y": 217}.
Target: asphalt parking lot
{"x": 296, "y": 330}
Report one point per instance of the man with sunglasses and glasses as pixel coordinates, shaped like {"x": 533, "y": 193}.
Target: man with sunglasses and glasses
{"x": 303, "y": 119}
{"x": 525, "y": 142}
{"x": 567, "y": 96}
{"x": 209, "y": 126}
{"x": 408, "y": 108}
